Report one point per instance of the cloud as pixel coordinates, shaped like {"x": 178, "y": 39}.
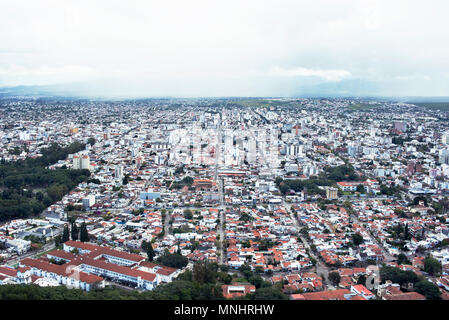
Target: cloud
{"x": 234, "y": 47}
{"x": 328, "y": 75}
{"x": 23, "y": 75}
{"x": 18, "y": 70}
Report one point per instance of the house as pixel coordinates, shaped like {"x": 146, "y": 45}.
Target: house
{"x": 237, "y": 290}
{"x": 348, "y": 186}
{"x": 361, "y": 290}
{"x": 340, "y": 294}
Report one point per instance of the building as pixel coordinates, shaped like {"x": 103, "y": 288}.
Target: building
{"x": 118, "y": 172}
{"x": 445, "y": 137}
{"x": 68, "y": 275}
{"x": 81, "y": 162}
{"x": 237, "y": 290}
{"x": 76, "y": 161}
{"x": 331, "y": 193}
{"x": 20, "y": 246}
{"x": 361, "y": 290}
{"x": 348, "y": 186}
{"x": 400, "y": 126}
{"x": 149, "y": 195}
{"x": 85, "y": 266}
{"x": 443, "y": 156}
{"x": 85, "y": 162}
{"x": 88, "y": 201}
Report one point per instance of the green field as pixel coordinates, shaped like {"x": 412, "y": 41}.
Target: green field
{"x": 443, "y": 106}
{"x": 260, "y": 102}
{"x": 362, "y": 106}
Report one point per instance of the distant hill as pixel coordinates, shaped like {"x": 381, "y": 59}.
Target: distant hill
{"x": 102, "y": 90}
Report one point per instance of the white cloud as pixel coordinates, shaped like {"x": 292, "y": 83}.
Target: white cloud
{"x": 176, "y": 44}
{"x": 18, "y": 70}
{"x": 22, "y": 75}
{"x": 328, "y": 75}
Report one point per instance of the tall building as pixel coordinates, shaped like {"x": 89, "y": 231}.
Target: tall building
{"x": 445, "y": 137}
{"x": 400, "y": 126}
{"x": 331, "y": 193}
{"x": 118, "y": 172}
{"x": 88, "y": 201}
{"x": 85, "y": 162}
{"x": 443, "y": 156}
{"x": 81, "y": 162}
{"x": 76, "y": 162}
{"x": 352, "y": 149}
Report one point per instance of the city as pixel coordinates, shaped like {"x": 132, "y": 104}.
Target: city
{"x": 271, "y": 198}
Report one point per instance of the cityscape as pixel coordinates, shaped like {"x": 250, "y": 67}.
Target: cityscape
{"x": 273, "y": 198}
{"x": 223, "y": 158}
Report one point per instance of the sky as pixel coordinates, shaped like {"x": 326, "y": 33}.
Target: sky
{"x": 228, "y": 48}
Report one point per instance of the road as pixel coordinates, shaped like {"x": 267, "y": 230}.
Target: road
{"x": 388, "y": 257}
{"x": 321, "y": 268}
{"x": 30, "y": 254}
{"x": 261, "y": 153}
{"x": 220, "y": 184}
{"x": 221, "y": 233}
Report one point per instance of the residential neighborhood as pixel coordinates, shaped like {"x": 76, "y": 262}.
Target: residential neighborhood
{"x": 308, "y": 196}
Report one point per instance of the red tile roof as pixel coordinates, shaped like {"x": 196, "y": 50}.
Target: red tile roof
{"x": 8, "y": 271}
{"x": 61, "y": 270}
{"x": 327, "y": 295}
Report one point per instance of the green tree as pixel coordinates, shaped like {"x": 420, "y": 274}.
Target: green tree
{"x": 65, "y": 234}
{"x": 402, "y": 259}
{"x": 205, "y": 272}
{"x": 397, "y": 275}
{"x": 173, "y": 260}
{"x": 150, "y": 252}
{"x": 188, "y": 214}
{"x": 360, "y": 188}
{"x": 125, "y": 179}
{"x": 428, "y": 289}
{"x": 432, "y": 266}
{"x": 58, "y": 240}
{"x": 187, "y": 181}
{"x": 334, "y": 277}
{"x": 269, "y": 293}
{"x": 357, "y": 239}
{"x": 74, "y": 232}
{"x": 361, "y": 279}
{"x": 91, "y": 141}
{"x": 84, "y": 235}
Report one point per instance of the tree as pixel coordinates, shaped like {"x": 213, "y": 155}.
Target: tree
{"x": 428, "y": 289}
{"x": 334, "y": 277}
{"x": 125, "y": 179}
{"x": 84, "y": 235}
{"x": 397, "y": 275}
{"x": 65, "y": 234}
{"x": 432, "y": 266}
{"x": 145, "y": 245}
{"x": 361, "y": 279}
{"x": 58, "y": 240}
{"x": 150, "y": 252}
{"x": 357, "y": 239}
{"x": 402, "y": 259}
{"x": 205, "y": 272}
{"x": 173, "y": 260}
{"x": 187, "y": 181}
{"x": 75, "y": 232}
{"x": 91, "y": 141}
{"x": 269, "y": 293}
{"x": 188, "y": 214}
{"x": 360, "y": 188}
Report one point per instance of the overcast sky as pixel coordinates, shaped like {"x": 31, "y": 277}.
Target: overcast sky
{"x": 228, "y": 48}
